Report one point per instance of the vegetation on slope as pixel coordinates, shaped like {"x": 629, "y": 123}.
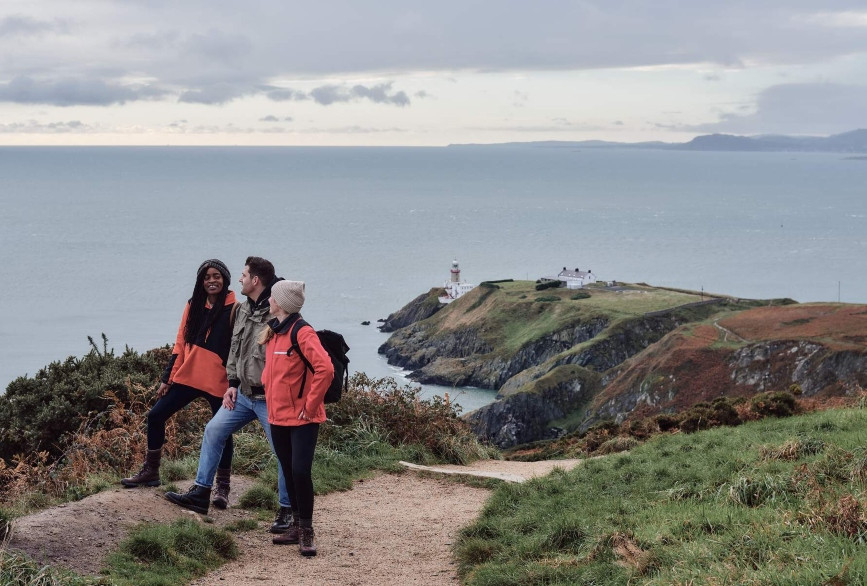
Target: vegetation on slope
{"x": 376, "y": 424}
{"x": 778, "y": 501}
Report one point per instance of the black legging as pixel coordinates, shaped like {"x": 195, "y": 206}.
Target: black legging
{"x": 294, "y": 446}
{"x": 176, "y": 398}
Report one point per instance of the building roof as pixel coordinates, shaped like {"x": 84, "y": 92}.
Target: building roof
{"x": 576, "y": 274}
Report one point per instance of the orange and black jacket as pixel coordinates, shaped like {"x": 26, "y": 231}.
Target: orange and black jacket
{"x": 202, "y": 364}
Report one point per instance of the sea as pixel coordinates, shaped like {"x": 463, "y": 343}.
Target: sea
{"x": 107, "y": 240}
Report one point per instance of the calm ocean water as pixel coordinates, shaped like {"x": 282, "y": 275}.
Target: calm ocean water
{"x": 108, "y": 239}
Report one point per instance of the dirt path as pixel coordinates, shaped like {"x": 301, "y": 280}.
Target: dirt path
{"x": 391, "y": 529}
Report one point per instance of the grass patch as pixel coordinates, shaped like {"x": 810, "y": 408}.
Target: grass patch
{"x": 241, "y": 525}
{"x": 19, "y": 570}
{"x": 157, "y": 555}
{"x": 259, "y": 496}
{"x": 776, "y": 501}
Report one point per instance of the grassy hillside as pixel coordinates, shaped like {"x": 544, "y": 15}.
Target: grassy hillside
{"x": 778, "y": 501}
{"x": 510, "y": 314}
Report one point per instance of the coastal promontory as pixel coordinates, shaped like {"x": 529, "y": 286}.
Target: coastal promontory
{"x": 565, "y": 359}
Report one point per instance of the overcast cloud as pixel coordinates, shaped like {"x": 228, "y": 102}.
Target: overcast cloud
{"x": 820, "y": 109}
{"x": 376, "y": 55}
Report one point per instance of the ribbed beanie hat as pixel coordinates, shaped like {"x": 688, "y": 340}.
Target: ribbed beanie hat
{"x": 214, "y": 263}
{"x": 289, "y": 295}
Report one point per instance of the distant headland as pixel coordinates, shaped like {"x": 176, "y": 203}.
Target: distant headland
{"x": 854, "y": 141}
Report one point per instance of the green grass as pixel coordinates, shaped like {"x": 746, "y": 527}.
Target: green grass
{"x": 19, "y": 570}
{"x": 164, "y": 555}
{"x": 780, "y": 501}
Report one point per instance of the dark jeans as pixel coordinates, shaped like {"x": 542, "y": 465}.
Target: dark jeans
{"x": 294, "y": 446}
{"x": 175, "y": 399}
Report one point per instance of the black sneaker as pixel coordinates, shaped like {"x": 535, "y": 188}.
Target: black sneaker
{"x": 196, "y": 499}
{"x": 282, "y": 521}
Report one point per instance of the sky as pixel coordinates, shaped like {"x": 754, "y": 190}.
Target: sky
{"x": 405, "y": 72}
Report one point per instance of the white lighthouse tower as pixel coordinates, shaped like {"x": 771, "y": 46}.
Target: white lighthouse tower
{"x": 454, "y": 287}
{"x": 456, "y": 272}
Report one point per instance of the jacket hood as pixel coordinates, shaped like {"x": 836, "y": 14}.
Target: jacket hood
{"x": 264, "y": 297}
{"x": 281, "y": 327}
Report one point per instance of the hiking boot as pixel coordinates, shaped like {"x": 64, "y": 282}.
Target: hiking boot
{"x": 149, "y": 475}
{"x": 282, "y": 521}
{"x": 196, "y": 499}
{"x": 291, "y": 536}
{"x": 305, "y": 545}
{"x": 221, "y": 491}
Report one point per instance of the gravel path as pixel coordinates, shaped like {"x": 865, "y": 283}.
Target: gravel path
{"x": 390, "y": 529}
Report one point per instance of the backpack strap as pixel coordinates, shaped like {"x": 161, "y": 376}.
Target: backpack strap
{"x": 293, "y": 337}
{"x": 232, "y": 313}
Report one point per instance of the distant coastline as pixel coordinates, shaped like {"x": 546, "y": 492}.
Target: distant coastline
{"x": 854, "y": 141}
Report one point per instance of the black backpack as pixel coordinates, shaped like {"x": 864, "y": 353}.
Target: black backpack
{"x": 336, "y": 348}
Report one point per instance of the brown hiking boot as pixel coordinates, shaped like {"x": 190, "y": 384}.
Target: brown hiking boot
{"x": 305, "y": 545}
{"x": 291, "y": 536}
{"x": 149, "y": 475}
{"x": 221, "y": 490}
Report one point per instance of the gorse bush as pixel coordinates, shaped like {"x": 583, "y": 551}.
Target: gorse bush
{"x": 37, "y": 414}
{"x": 402, "y": 418}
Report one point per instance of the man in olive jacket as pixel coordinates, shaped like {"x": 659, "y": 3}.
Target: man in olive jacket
{"x": 243, "y": 402}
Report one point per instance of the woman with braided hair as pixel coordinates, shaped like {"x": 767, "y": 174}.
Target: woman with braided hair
{"x": 197, "y": 368}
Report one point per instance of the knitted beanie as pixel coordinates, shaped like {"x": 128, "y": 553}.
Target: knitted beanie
{"x": 214, "y": 263}
{"x": 289, "y": 295}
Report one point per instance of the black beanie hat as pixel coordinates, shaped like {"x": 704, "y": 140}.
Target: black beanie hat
{"x": 214, "y": 263}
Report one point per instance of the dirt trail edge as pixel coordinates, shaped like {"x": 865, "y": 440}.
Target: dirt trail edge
{"x": 391, "y": 529}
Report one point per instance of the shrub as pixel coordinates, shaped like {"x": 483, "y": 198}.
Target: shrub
{"x": 548, "y": 285}
{"x": 666, "y": 422}
{"x": 580, "y": 295}
{"x": 547, "y": 299}
{"x": 617, "y": 444}
{"x": 39, "y": 413}
{"x": 399, "y": 415}
{"x": 774, "y": 404}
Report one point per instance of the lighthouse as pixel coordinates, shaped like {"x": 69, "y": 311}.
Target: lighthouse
{"x": 456, "y": 272}
{"x": 454, "y": 287}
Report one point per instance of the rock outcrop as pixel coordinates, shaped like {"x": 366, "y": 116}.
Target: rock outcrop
{"x": 422, "y": 307}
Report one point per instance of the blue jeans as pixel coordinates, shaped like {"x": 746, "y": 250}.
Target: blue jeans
{"x": 222, "y": 426}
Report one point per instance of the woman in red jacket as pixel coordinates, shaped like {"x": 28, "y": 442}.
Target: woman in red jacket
{"x": 295, "y": 405}
{"x": 197, "y": 368}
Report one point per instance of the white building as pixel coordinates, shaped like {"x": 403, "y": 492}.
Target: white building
{"x": 573, "y": 279}
{"x": 577, "y": 278}
{"x": 454, "y": 287}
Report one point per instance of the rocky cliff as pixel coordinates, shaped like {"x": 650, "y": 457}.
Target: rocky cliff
{"x": 422, "y": 307}
{"x": 561, "y": 361}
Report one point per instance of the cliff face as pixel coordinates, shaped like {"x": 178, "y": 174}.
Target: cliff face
{"x": 463, "y": 358}
{"x": 815, "y": 369}
{"x": 561, "y": 361}
{"x": 422, "y": 307}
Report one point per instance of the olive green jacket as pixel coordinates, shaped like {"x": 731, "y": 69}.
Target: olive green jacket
{"x": 246, "y": 356}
